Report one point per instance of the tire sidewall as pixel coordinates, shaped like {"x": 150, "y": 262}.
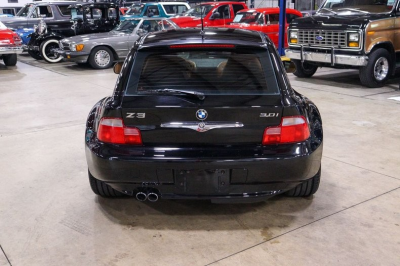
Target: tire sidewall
{"x": 10, "y": 60}
{"x": 92, "y": 60}
{"x": 304, "y": 72}
{"x": 43, "y": 48}
{"x": 367, "y": 74}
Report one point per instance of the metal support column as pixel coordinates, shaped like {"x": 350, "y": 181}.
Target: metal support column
{"x": 282, "y": 25}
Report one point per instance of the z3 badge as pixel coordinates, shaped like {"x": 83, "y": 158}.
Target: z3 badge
{"x": 135, "y": 115}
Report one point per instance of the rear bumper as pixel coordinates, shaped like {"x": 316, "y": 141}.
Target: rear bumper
{"x": 10, "y": 50}
{"x": 182, "y": 173}
{"x": 78, "y": 57}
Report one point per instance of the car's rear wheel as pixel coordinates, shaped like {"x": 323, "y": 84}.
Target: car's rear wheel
{"x": 101, "y": 57}
{"x": 47, "y": 51}
{"x": 377, "y": 71}
{"x": 307, "y": 188}
{"x": 10, "y": 59}
{"x": 304, "y": 69}
{"x": 102, "y": 189}
{"x": 35, "y": 54}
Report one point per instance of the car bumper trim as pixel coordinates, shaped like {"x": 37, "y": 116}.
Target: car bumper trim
{"x": 329, "y": 57}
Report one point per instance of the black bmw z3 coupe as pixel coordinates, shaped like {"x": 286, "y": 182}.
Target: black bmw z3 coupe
{"x": 204, "y": 114}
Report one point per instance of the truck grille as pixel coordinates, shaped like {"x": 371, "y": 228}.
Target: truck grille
{"x": 322, "y": 38}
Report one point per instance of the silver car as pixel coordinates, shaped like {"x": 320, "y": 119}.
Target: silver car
{"x": 101, "y": 50}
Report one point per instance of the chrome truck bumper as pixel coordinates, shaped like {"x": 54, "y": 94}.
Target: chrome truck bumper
{"x": 330, "y": 57}
{"x": 10, "y": 50}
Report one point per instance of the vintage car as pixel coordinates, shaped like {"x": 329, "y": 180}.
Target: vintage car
{"x": 204, "y": 115}
{"x": 101, "y": 50}
{"x": 85, "y": 18}
{"x": 10, "y": 45}
{"x": 348, "y": 34}
{"x": 263, "y": 19}
{"x": 211, "y": 13}
{"x": 32, "y": 13}
{"x": 160, "y": 9}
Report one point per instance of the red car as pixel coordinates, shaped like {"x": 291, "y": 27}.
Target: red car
{"x": 213, "y": 13}
{"x": 265, "y": 20}
{"x": 10, "y": 45}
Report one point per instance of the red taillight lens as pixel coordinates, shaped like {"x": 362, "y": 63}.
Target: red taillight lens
{"x": 17, "y": 40}
{"x": 291, "y": 129}
{"x": 113, "y": 130}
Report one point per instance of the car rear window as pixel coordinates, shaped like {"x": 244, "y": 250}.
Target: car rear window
{"x": 210, "y": 72}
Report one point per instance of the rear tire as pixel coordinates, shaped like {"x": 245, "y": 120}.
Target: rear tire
{"x": 304, "y": 70}
{"x": 377, "y": 71}
{"x": 47, "y": 54}
{"x": 102, "y": 189}
{"x": 10, "y": 59}
{"x": 35, "y": 54}
{"x": 101, "y": 57}
{"x": 307, "y": 188}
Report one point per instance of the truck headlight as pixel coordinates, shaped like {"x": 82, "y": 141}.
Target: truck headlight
{"x": 353, "y": 39}
{"x": 293, "y": 36}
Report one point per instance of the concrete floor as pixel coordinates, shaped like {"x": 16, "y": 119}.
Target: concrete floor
{"x": 49, "y": 215}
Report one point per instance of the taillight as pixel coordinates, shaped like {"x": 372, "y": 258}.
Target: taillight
{"x": 291, "y": 129}
{"x": 113, "y": 130}
{"x": 17, "y": 40}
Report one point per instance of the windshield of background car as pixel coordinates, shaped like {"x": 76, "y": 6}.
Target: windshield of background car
{"x": 200, "y": 10}
{"x": 349, "y": 7}
{"x": 135, "y": 10}
{"x": 76, "y": 13}
{"x": 249, "y": 18}
{"x": 26, "y": 10}
{"x": 2, "y": 26}
{"x": 127, "y": 26}
{"x": 221, "y": 72}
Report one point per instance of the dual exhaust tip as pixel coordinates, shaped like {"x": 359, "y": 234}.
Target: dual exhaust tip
{"x": 143, "y": 196}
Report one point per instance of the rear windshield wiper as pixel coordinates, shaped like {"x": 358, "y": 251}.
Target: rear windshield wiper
{"x": 329, "y": 10}
{"x": 198, "y": 94}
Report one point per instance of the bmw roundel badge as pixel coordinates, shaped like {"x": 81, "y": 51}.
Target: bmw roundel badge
{"x": 319, "y": 38}
{"x": 201, "y": 114}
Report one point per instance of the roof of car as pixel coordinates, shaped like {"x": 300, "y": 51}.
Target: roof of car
{"x": 53, "y": 2}
{"x": 207, "y": 36}
{"x": 270, "y": 10}
{"x": 220, "y": 3}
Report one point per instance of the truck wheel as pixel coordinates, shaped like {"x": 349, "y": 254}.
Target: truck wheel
{"x": 304, "y": 70}
{"x": 102, "y": 189}
{"x": 10, "y": 59}
{"x": 46, "y": 52}
{"x": 35, "y": 54}
{"x": 377, "y": 71}
{"x": 101, "y": 57}
{"x": 307, "y": 188}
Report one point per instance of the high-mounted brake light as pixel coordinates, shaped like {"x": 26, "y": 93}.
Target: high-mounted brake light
{"x": 292, "y": 129}
{"x": 180, "y": 46}
{"x": 113, "y": 130}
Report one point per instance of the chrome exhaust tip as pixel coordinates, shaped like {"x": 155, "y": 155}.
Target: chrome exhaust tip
{"x": 141, "y": 196}
{"x": 153, "y": 197}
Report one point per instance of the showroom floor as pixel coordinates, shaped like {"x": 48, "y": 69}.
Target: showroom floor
{"x": 49, "y": 215}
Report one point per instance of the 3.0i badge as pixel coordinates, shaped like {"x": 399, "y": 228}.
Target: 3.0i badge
{"x": 201, "y": 114}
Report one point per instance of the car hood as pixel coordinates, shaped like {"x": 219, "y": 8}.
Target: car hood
{"x": 322, "y": 20}
{"x": 95, "y": 36}
{"x": 183, "y": 21}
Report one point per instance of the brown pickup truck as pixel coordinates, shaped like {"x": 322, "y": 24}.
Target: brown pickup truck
{"x": 349, "y": 34}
